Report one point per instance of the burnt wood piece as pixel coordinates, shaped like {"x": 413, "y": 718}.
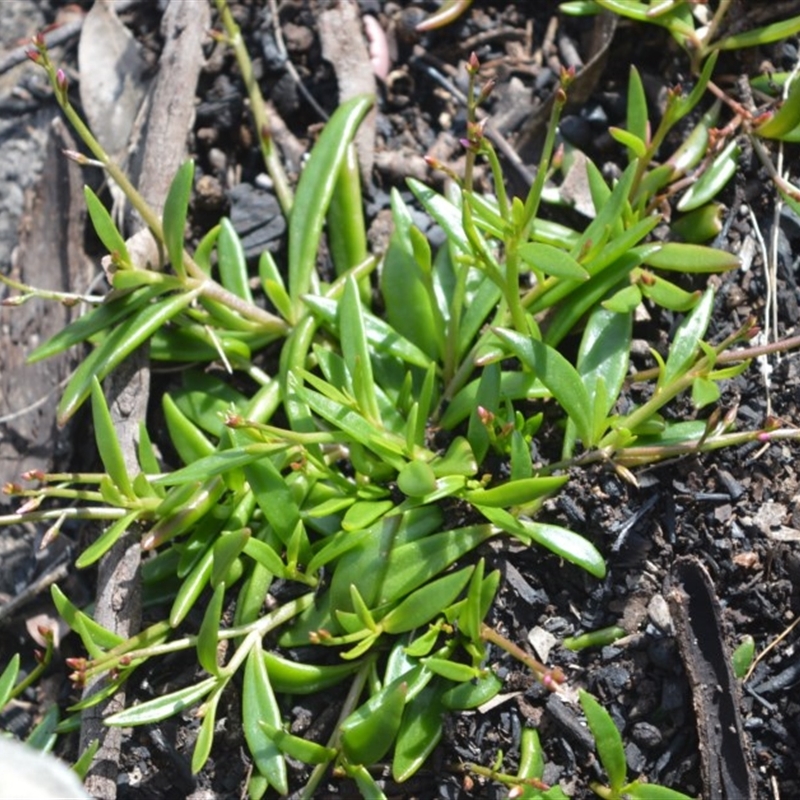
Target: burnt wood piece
{"x": 50, "y": 256}
{"x": 696, "y": 613}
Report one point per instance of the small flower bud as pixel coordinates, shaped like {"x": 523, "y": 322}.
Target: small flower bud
{"x": 485, "y": 416}
{"x": 473, "y": 65}
{"x": 45, "y": 632}
{"x": 434, "y": 163}
{"x": 34, "y": 55}
{"x": 38, "y": 655}
{"x": 475, "y": 131}
{"x": 78, "y": 679}
{"x": 39, "y": 42}
{"x": 33, "y": 475}
{"x": 487, "y": 89}
{"x": 12, "y": 488}
{"x": 730, "y": 417}
{"x": 62, "y": 86}
{"x": 30, "y": 505}
{"x": 50, "y": 535}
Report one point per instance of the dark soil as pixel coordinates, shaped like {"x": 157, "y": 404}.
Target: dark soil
{"x": 733, "y": 515}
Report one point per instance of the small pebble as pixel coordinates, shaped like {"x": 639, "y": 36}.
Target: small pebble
{"x": 658, "y": 612}
{"x": 646, "y": 735}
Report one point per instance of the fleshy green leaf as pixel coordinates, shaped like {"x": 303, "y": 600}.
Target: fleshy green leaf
{"x": 116, "y": 347}
{"x": 419, "y": 733}
{"x": 105, "y": 228}
{"x": 565, "y": 543}
{"x": 773, "y": 32}
{"x": 368, "y": 733}
{"x": 607, "y": 740}
{"x": 107, "y": 442}
{"x": 189, "y": 441}
{"x": 516, "y": 493}
{"x": 421, "y": 606}
{"x": 667, "y": 294}
{"x": 710, "y": 183}
{"x": 558, "y": 375}
{"x": 684, "y": 346}
{"x": 704, "y": 392}
{"x": 8, "y": 679}
{"x": 161, "y": 708}
{"x": 355, "y": 350}
{"x": 636, "y": 122}
{"x": 296, "y": 747}
{"x": 473, "y": 693}
{"x": 101, "y": 318}
{"x": 94, "y": 635}
{"x": 232, "y": 264}
{"x": 259, "y": 705}
{"x": 742, "y": 658}
{"x": 175, "y": 207}
{"x": 652, "y": 791}
{"x": 100, "y": 546}
{"x": 314, "y": 192}
{"x": 681, "y": 257}
{"x": 380, "y": 335}
{"x": 205, "y": 737}
{"x": 636, "y": 147}
{"x": 552, "y": 261}
{"x": 416, "y": 479}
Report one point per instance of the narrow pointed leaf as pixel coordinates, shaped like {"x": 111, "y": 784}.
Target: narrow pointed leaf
{"x": 419, "y": 733}
{"x": 516, "y": 493}
{"x": 207, "y": 636}
{"x": 558, "y": 375}
{"x": 681, "y": 257}
{"x": 175, "y": 208}
{"x": 314, "y": 192}
{"x": 259, "y": 705}
{"x": 8, "y": 679}
{"x": 100, "y": 546}
{"x": 768, "y": 33}
{"x": 205, "y": 738}
{"x": 116, "y": 347}
{"x": 104, "y": 226}
{"x": 552, "y": 261}
{"x": 161, "y": 708}
{"x": 101, "y": 318}
{"x": 99, "y": 636}
{"x": 684, "y": 346}
{"x": 607, "y": 740}
{"x": 710, "y": 183}
{"x": 232, "y": 264}
{"x": 107, "y": 442}
{"x": 355, "y": 350}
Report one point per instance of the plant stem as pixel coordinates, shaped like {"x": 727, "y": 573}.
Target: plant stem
{"x": 279, "y": 180}
{"x": 539, "y": 670}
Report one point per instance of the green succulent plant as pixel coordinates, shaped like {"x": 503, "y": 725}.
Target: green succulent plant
{"x": 380, "y": 411}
